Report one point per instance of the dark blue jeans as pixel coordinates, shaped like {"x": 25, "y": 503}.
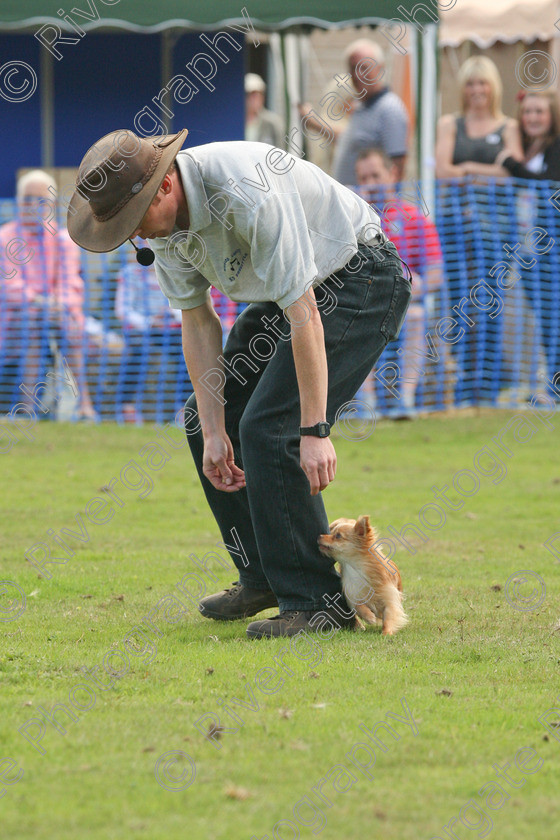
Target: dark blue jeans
{"x": 275, "y": 517}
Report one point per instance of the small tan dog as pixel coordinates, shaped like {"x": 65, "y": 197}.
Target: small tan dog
{"x": 371, "y": 583}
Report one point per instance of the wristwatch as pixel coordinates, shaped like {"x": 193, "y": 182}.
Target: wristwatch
{"x": 322, "y": 429}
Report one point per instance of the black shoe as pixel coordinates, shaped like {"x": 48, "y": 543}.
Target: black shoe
{"x": 292, "y": 622}
{"x": 237, "y": 602}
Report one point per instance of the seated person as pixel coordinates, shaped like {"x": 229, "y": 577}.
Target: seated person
{"x": 42, "y": 295}
{"x": 148, "y": 323}
{"x": 417, "y": 241}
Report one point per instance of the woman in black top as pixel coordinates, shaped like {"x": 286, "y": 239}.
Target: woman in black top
{"x": 467, "y": 143}
{"x": 539, "y": 119}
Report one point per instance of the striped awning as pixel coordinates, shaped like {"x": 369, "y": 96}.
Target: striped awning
{"x": 499, "y": 20}
{"x": 149, "y": 16}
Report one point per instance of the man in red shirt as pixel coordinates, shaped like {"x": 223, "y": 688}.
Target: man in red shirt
{"x": 417, "y": 241}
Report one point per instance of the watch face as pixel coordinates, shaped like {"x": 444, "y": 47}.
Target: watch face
{"x": 324, "y": 429}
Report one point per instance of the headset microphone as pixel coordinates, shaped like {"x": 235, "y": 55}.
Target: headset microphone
{"x": 145, "y": 256}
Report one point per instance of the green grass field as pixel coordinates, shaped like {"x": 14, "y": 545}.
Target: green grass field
{"x": 465, "y": 682}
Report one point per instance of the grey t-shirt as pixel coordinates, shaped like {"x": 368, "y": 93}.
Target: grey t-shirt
{"x": 264, "y": 226}
{"x": 381, "y": 122}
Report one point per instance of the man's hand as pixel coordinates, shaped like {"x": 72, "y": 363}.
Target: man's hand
{"x": 218, "y": 464}
{"x": 317, "y": 459}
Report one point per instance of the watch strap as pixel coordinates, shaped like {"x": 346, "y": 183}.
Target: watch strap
{"x": 322, "y": 429}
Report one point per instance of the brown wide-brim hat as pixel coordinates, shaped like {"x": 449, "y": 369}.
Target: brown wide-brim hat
{"x": 117, "y": 181}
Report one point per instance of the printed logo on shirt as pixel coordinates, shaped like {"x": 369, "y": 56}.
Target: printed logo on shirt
{"x": 494, "y": 139}
{"x": 233, "y": 265}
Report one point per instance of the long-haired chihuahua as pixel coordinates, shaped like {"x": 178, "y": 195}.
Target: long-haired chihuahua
{"x": 371, "y": 583}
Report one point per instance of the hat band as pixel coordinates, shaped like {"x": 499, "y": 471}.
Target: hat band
{"x": 103, "y": 217}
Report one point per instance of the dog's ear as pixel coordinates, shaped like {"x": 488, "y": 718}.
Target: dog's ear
{"x": 362, "y": 526}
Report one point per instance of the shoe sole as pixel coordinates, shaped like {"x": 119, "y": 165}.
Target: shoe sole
{"x": 259, "y": 634}
{"x": 254, "y": 634}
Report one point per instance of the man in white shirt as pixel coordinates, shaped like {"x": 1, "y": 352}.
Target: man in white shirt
{"x": 327, "y": 292}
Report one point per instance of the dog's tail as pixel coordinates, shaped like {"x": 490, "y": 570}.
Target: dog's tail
{"x": 394, "y": 617}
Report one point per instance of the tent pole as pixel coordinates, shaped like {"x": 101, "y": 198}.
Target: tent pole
{"x": 168, "y": 41}
{"x": 47, "y": 110}
{"x": 292, "y": 76}
{"x": 428, "y": 99}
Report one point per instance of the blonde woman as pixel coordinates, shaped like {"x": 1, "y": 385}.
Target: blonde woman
{"x": 474, "y": 233}
{"x": 468, "y": 143}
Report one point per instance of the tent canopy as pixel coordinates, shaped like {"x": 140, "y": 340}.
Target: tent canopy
{"x": 509, "y": 21}
{"x": 149, "y": 16}
{"x": 291, "y": 20}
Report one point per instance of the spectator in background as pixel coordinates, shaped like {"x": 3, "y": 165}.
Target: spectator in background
{"x": 335, "y": 117}
{"x": 468, "y": 143}
{"x": 150, "y": 325}
{"x": 416, "y": 239}
{"x": 261, "y": 125}
{"x": 379, "y": 119}
{"x": 539, "y": 121}
{"x": 43, "y": 295}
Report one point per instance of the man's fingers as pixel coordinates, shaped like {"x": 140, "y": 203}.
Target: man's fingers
{"x": 320, "y": 477}
{"x": 316, "y": 481}
{"x": 324, "y": 479}
{"x": 237, "y": 472}
{"x": 224, "y": 476}
{"x": 217, "y": 481}
{"x": 224, "y": 471}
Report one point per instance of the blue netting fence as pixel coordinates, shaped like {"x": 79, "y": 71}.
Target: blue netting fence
{"x": 91, "y": 335}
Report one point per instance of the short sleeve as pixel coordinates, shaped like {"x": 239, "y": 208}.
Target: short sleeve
{"x": 394, "y": 120}
{"x": 184, "y": 288}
